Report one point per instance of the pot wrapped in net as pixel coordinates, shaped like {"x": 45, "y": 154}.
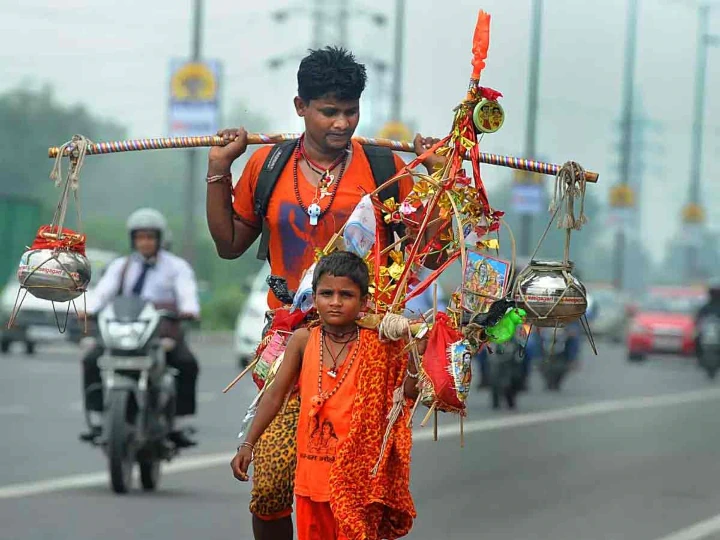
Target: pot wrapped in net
{"x": 55, "y": 267}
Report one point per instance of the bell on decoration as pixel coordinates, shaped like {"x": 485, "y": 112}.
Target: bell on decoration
{"x": 550, "y": 294}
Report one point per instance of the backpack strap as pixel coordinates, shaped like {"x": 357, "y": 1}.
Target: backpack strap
{"x": 382, "y": 164}
{"x": 269, "y": 174}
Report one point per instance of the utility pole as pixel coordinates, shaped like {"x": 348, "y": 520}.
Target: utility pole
{"x": 526, "y": 219}
{"x": 627, "y": 136}
{"x": 190, "y": 197}
{"x": 396, "y": 105}
{"x": 693, "y": 214}
{"x": 646, "y": 158}
{"x": 343, "y": 22}
{"x": 317, "y": 17}
{"x": 329, "y": 25}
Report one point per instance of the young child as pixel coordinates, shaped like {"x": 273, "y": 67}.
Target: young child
{"x": 346, "y": 378}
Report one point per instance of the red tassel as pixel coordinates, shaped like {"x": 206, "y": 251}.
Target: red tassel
{"x": 481, "y": 42}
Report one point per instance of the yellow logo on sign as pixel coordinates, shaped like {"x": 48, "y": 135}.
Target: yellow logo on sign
{"x": 395, "y": 130}
{"x": 193, "y": 82}
{"x": 622, "y": 196}
{"x": 693, "y": 213}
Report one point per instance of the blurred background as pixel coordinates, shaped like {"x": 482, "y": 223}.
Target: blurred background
{"x": 611, "y": 85}
{"x": 624, "y": 87}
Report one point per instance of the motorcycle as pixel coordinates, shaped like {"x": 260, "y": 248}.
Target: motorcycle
{"x": 556, "y": 353}
{"x": 505, "y": 370}
{"x": 138, "y": 388}
{"x": 708, "y": 340}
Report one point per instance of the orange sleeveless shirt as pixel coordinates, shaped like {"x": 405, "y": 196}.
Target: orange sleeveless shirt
{"x": 319, "y": 437}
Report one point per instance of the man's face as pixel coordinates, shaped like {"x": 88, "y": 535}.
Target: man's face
{"x": 329, "y": 122}
{"x": 146, "y": 242}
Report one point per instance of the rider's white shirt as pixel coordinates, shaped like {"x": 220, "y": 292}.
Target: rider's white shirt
{"x": 170, "y": 281}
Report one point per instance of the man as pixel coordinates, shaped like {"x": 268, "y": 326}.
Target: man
{"x": 166, "y": 280}
{"x": 320, "y": 183}
{"x": 709, "y": 310}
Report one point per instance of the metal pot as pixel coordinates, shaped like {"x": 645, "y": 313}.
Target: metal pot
{"x": 550, "y": 294}
{"x": 56, "y": 275}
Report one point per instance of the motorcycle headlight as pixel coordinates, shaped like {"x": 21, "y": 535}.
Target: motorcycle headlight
{"x": 126, "y": 335}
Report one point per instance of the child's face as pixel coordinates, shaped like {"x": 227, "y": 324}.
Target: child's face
{"x": 338, "y": 300}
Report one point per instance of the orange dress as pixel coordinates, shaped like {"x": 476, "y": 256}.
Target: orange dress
{"x": 336, "y": 464}
{"x": 320, "y": 436}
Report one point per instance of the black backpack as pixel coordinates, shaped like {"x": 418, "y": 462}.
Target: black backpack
{"x": 382, "y": 165}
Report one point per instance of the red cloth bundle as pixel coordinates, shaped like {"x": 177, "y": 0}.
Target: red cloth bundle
{"x": 47, "y": 238}
{"x": 439, "y": 383}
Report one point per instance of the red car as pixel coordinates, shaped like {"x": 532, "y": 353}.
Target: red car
{"x": 665, "y": 322}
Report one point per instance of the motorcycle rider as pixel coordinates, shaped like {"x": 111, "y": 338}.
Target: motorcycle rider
{"x": 168, "y": 281}
{"x": 710, "y": 308}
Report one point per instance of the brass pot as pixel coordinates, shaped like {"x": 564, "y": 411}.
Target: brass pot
{"x": 56, "y": 275}
{"x": 550, "y": 294}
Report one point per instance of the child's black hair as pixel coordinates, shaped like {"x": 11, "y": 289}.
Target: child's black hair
{"x": 343, "y": 264}
{"x": 331, "y": 71}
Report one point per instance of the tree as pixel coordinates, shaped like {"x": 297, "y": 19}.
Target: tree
{"x": 112, "y": 186}
{"x": 30, "y": 122}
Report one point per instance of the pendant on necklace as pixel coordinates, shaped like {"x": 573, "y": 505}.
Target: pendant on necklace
{"x": 325, "y": 182}
{"x": 314, "y": 213}
{"x": 332, "y": 373}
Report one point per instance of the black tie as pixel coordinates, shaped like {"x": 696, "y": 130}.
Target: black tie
{"x": 138, "y": 287}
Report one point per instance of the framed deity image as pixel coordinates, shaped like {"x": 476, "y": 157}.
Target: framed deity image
{"x": 485, "y": 281}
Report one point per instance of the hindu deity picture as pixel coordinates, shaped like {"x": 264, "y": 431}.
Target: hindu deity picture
{"x": 484, "y": 281}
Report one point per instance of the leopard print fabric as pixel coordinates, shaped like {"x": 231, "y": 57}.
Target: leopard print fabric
{"x": 370, "y": 507}
{"x": 275, "y": 457}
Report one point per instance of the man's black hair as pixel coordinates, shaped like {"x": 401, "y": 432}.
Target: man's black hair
{"x": 343, "y": 264}
{"x": 331, "y": 71}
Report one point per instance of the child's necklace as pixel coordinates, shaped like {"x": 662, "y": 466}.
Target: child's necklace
{"x": 316, "y": 402}
{"x": 332, "y": 372}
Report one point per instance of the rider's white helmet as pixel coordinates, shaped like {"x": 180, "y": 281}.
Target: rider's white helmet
{"x": 147, "y": 219}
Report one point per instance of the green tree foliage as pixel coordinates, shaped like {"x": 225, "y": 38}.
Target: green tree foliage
{"x": 112, "y": 186}
{"x": 30, "y": 122}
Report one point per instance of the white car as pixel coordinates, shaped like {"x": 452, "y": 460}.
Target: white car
{"x": 37, "y": 320}
{"x": 251, "y": 319}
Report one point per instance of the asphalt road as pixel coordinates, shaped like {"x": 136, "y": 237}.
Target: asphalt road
{"x": 623, "y": 452}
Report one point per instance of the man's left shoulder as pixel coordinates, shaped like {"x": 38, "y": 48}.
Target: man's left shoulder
{"x": 176, "y": 261}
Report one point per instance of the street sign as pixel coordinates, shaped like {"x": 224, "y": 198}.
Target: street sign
{"x": 194, "y": 98}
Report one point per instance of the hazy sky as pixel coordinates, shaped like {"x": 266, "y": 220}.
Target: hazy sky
{"x": 114, "y": 57}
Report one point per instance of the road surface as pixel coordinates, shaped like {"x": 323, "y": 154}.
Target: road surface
{"x": 623, "y": 452}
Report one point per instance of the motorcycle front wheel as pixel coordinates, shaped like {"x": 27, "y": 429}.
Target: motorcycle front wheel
{"x": 121, "y": 427}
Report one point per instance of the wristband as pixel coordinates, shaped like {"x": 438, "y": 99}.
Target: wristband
{"x": 225, "y": 178}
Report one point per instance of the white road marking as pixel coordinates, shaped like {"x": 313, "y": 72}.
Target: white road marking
{"x": 65, "y": 483}
{"x": 26, "y": 489}
{"x": 14, "y": 410}
{"x": 579, "y": 411}
{"x": 702, "y": 529}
